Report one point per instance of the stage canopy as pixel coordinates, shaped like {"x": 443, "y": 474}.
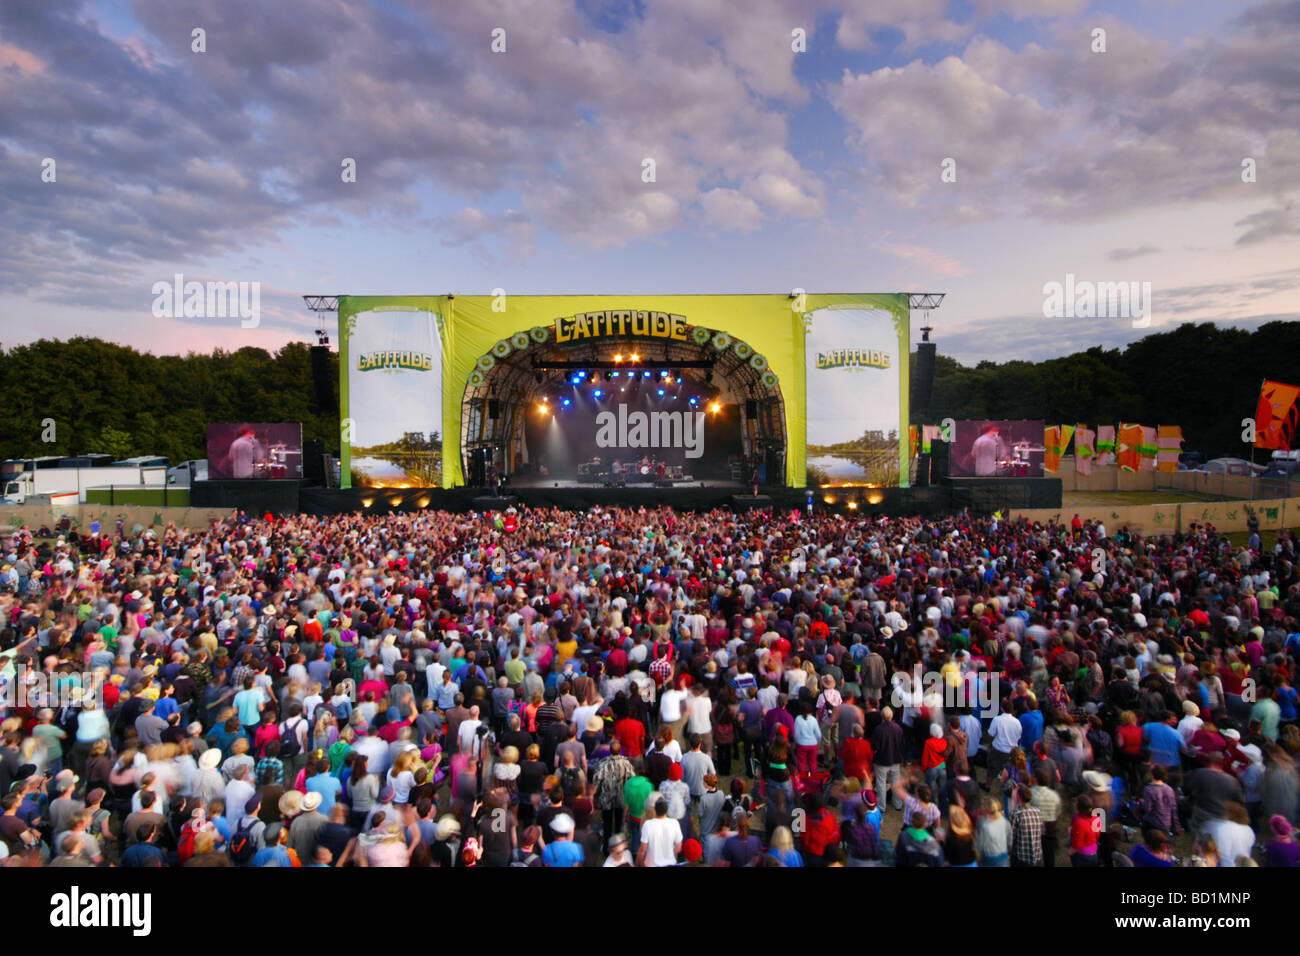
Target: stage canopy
{"x": 788, "y": 386}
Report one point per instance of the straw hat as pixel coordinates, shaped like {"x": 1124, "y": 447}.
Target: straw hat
{"x": 290, "y": 803}
{"x": 1096, "y": 780}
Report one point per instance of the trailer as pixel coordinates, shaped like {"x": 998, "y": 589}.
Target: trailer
{"x": 65, "y": 481}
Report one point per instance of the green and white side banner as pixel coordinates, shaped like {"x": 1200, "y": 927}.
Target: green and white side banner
{"x": 390, "y": 391}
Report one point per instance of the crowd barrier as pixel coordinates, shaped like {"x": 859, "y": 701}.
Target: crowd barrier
{"x": 1227, "y": 516}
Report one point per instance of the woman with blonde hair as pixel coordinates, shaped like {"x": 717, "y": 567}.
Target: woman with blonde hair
{"x": 506, "y": 772}
{"x": 326, "y": 733}
{"x": 993, "y": 836}
{"x": 401, "y": 776}
{"x": 959, "y": 844}
{"x": 782, "y": 848}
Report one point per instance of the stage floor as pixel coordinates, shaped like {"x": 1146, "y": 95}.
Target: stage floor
{"x": 526, "y": 482}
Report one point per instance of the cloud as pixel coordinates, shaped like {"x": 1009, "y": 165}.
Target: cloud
{"x": 909, "y": 120}
{"x": 1135, "y": 252}
{"x": 936, "y": 262}
{"x": 731, "y": 210}
{"x": 1056, "y": 132}
{"x": 166, "y": 156}
{"x": 1279, "y": 222}
{"x": 922, "y": 22}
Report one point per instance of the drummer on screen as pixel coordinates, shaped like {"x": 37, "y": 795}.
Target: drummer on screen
{"x": 244, "y": 451}
{"x": 985, "y": 451}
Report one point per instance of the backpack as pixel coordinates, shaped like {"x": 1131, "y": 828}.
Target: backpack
{"x": 289, "y": 746}
{"x": 185, "y": 847}
{"x": 570, "y": 779}
{"x": 242, "y": 848}
{"x": 520, "y": 858}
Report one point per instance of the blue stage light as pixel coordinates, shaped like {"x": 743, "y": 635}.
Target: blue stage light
{"x": 661, "y": 393}
{"x": 598, "y": 393}
{"x": 567, "y": 402}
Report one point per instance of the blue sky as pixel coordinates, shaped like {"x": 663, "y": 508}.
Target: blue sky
{"x": 775, "y": 169}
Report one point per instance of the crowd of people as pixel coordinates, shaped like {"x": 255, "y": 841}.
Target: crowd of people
{"x": 654, "y": 688}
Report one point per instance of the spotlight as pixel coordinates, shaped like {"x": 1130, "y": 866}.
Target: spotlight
{"x": 635, "y": 357}
{"x": 645, "y": 374}
{"x": 542, "y": 408}
{"x": 661, "y": 393}
{"x": 715, "y": 408}
{"x": 679, "y": 380}
{"x": 598, "y": 393}
{"x": 619, "y": 357}
{"x": 694, "y": 401}
{"x": 613, "y": 374}
{"x": 567, "y": 402}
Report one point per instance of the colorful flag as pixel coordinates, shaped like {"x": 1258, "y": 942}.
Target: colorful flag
{"x": 1277, "y": 416}
{"x": 1056, "y": 438}
{"x": 1170, "y": 442}
{"x": 1127, "y": 451}
{"x": 1085, "y": 449}
{"x": 1105, "y": 445}
{"x": 1148, "y": 449}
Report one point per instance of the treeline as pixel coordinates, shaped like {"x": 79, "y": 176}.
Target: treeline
{"x": 1199, "y": 376}
{"x": 112, "y": 399}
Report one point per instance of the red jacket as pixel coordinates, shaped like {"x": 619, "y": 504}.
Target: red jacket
{"x": 822, "y": 832}
{"x": 934, "y": 753}
{"x": 856, "y": 754}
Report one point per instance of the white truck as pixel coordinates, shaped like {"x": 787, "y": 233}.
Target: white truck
{"x": 187, "y": 472}
{"x": 65, "y": 481}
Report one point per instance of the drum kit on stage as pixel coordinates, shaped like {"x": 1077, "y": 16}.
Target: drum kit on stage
{"x": 1018, "y": 465}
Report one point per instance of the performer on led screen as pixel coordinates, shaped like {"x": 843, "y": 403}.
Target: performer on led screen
{"x": 245, "y": 450}
{"x": 986, "y": 450}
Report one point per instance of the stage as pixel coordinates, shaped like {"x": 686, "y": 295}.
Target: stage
{"x": 534, "y": 482}
{"x": 979, "y": 495}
